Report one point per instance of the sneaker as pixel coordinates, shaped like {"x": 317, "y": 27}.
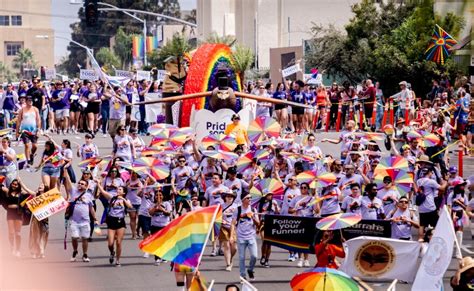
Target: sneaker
{"x": 85, "y": 258}
{"x": 146, "y": 255}
{"x": 157, "y": 262}
{"x": 291, "y": 258}
{"x": 262, "y": 261}
{"x": 73, "y": 258}
{"x": 306, "y": 263}
{"x": 104, "y": 135}
{"x": 112, "y": 257}
{"x": 228, "y": 268}
{"x": 213, "y": 253}
{"x": 300, "y": 264}
{"x": 221, "y": 252}
{"x": 118, "y": 264}
{"x": 266, "y": 264}
{"x": 251, "y": 275}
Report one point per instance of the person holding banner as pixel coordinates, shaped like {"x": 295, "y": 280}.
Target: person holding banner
{"x": 39, "y": 231}
{"x": 266, "y": 205}
{"x": 16, "y": 193}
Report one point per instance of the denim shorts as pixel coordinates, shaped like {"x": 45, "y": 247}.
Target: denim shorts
{"x": 51, "y": 171}
{"x": 145, "y": 223}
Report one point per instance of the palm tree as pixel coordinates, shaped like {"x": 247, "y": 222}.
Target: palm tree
{"x": 177, "y": 47}
{"x": 228, "y": 40}
{"x": 191, "y": 17}
{"x": 5, "y": 72}
{"x": 242, "y": 60}
{"x": 23, "y": 57}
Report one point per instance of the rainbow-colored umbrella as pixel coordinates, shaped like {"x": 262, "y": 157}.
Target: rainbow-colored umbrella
{"x": 244, "y": 161}
{"x": 415, "y": 134}
{"x": 375, "y": 136}
{"x": 154, "y": 166}
{"x": 89, "y": 163}
{"x": 388, "y": 129}
{"x": 429, "y": 140}
{"x": 263, "y": 127}
{"x": 397, "y": 168}
{"x": 326, "y": 279}
{"x": 157, "y": 128}
{"x": 220, "y": 155}
{"x": 172, "y": 137}
{"x": 338, "y": 221}
{"x": 219, "y": 142}
{"x": 315, "y": 179}
{"x": 265, "y": 186}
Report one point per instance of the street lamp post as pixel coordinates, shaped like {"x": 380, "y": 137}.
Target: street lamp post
{"x": 91, "y": 51}
{"x": 143, "y": 21}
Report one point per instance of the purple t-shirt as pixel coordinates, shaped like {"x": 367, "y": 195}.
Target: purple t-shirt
{"x": 80, "y": 214}
{"x": 63, "y": 97}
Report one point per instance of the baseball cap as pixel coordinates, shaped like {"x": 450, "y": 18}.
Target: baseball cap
{"x": 453, "y": 169}
{"x": 235, "y": 116}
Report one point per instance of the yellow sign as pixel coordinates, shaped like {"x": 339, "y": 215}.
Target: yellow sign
{"x": 47, "y": 204}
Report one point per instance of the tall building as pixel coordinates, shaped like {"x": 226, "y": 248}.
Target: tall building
{"x": 21, "y": 24}
{"x": 265, "y": 24}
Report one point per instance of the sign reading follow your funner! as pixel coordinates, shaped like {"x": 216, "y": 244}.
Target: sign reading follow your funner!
{"x": 300, "y": 233}
{"x": 47, "y": 204}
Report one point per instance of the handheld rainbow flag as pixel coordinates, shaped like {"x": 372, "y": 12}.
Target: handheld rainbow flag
{"x": 441, "y": 43}
{"x": 184, "y": 239}
{"x": 55, "y": 159}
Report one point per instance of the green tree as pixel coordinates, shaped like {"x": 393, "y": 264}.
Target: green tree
{"x": 191, "y": 17}
{"x": 6, "y": 73}
{"x": 107, "y": 60}
{"x": 242, "y": 60}
{"x": 226, "y": 39}
{"x": 123, "y": 47}
{"x": 177, "y": 47}
{"x": 385, "y": 43}
{"x": 24, "y": 58}
{"x": 108, "y": 24}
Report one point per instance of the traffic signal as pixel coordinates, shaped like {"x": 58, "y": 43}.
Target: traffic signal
{"x": 91, "y": 12}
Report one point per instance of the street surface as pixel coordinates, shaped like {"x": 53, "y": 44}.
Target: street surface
{"x": 55, "y": 272}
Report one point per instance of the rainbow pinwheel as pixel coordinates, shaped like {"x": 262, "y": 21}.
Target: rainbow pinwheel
{"x": 262, "y": 128}
{"x": 326, "y": 279}
{"x": 219, "y": 142}
{"x": 315, "y": 179}
{"x": 440, "y": 46}
{"x": 150, "y": 151}
{"x": 338, "y": 221}
{"x": 157, "y": 128}
{"x": 155, "y": 167}
{"x": 220, "y": 155}
{"x": 244, "y": 162}
{"x": 397, "y": 168}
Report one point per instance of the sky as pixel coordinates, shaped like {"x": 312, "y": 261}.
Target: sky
{"x": 64, "y": 13}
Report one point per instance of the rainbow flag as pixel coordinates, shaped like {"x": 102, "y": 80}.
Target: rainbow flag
{"x": 184, "y": 239}
{"x": 151, "y": 43}
{"x": 55, "y": 159}
{"x": 137, "y": 47}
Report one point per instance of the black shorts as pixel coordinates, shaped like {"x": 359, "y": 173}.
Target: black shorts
{"x": 280, "y": 106}
{"x": 128, "y": 109}
{"x": 144, "y": 222}
{"x": 296, "y": 110}
{"x": 155, "y": 229}
{"x": 93, "y": 107}
{"x": 115, "y": 223}
{"x": 429, "y": 218}
{"x": 74, "y": 107}
{"x": 26, "y": 138}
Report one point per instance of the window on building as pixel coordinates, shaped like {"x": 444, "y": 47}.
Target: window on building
{"x": 4, "y": 20}
{"x": 12, "y": 48}
{"x": 16, "y": 20}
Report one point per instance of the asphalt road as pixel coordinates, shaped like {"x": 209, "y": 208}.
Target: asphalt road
{"x": 55, "y": 272}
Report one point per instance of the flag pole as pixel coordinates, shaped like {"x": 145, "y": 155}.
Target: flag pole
{"x": 208, "y": 234}
{"x": 446, "y": 32}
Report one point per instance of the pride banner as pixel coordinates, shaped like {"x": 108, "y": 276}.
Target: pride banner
{"x": 47, "y": 204}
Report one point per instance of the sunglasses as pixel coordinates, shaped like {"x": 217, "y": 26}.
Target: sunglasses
{"x": 303, "y": 187}
{"x": 404, "y": 202}
{"x": 246, "y": 198}
{"x": 311, "y": 139}
{"x": 114, "y": 171}
{"x": 182, "y": 161}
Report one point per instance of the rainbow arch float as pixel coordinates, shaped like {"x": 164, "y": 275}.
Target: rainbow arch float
{"x": 202, "y": 77}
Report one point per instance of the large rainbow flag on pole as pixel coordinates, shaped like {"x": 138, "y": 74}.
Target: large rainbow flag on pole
{"x": 184, "y": 239}
{"x": 440, "y": 44}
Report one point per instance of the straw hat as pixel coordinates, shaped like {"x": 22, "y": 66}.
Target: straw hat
{"x": 466, "y": 264}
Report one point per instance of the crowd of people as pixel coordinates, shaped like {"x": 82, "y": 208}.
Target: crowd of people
{"x": 196, "y": 180}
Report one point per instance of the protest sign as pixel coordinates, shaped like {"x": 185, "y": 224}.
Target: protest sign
{"x": 161, "y": 75}
{"x": 47, "y": 204}
{"x": 88, "y": 75}
{"x": 153, "y": 110}
{"x": 300, "y": 233}
{"x": 290, "y": 70}
{"x": 122, "y": 73}
{"x": 49, "y": 73}
{"x": 143, "y": 75}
